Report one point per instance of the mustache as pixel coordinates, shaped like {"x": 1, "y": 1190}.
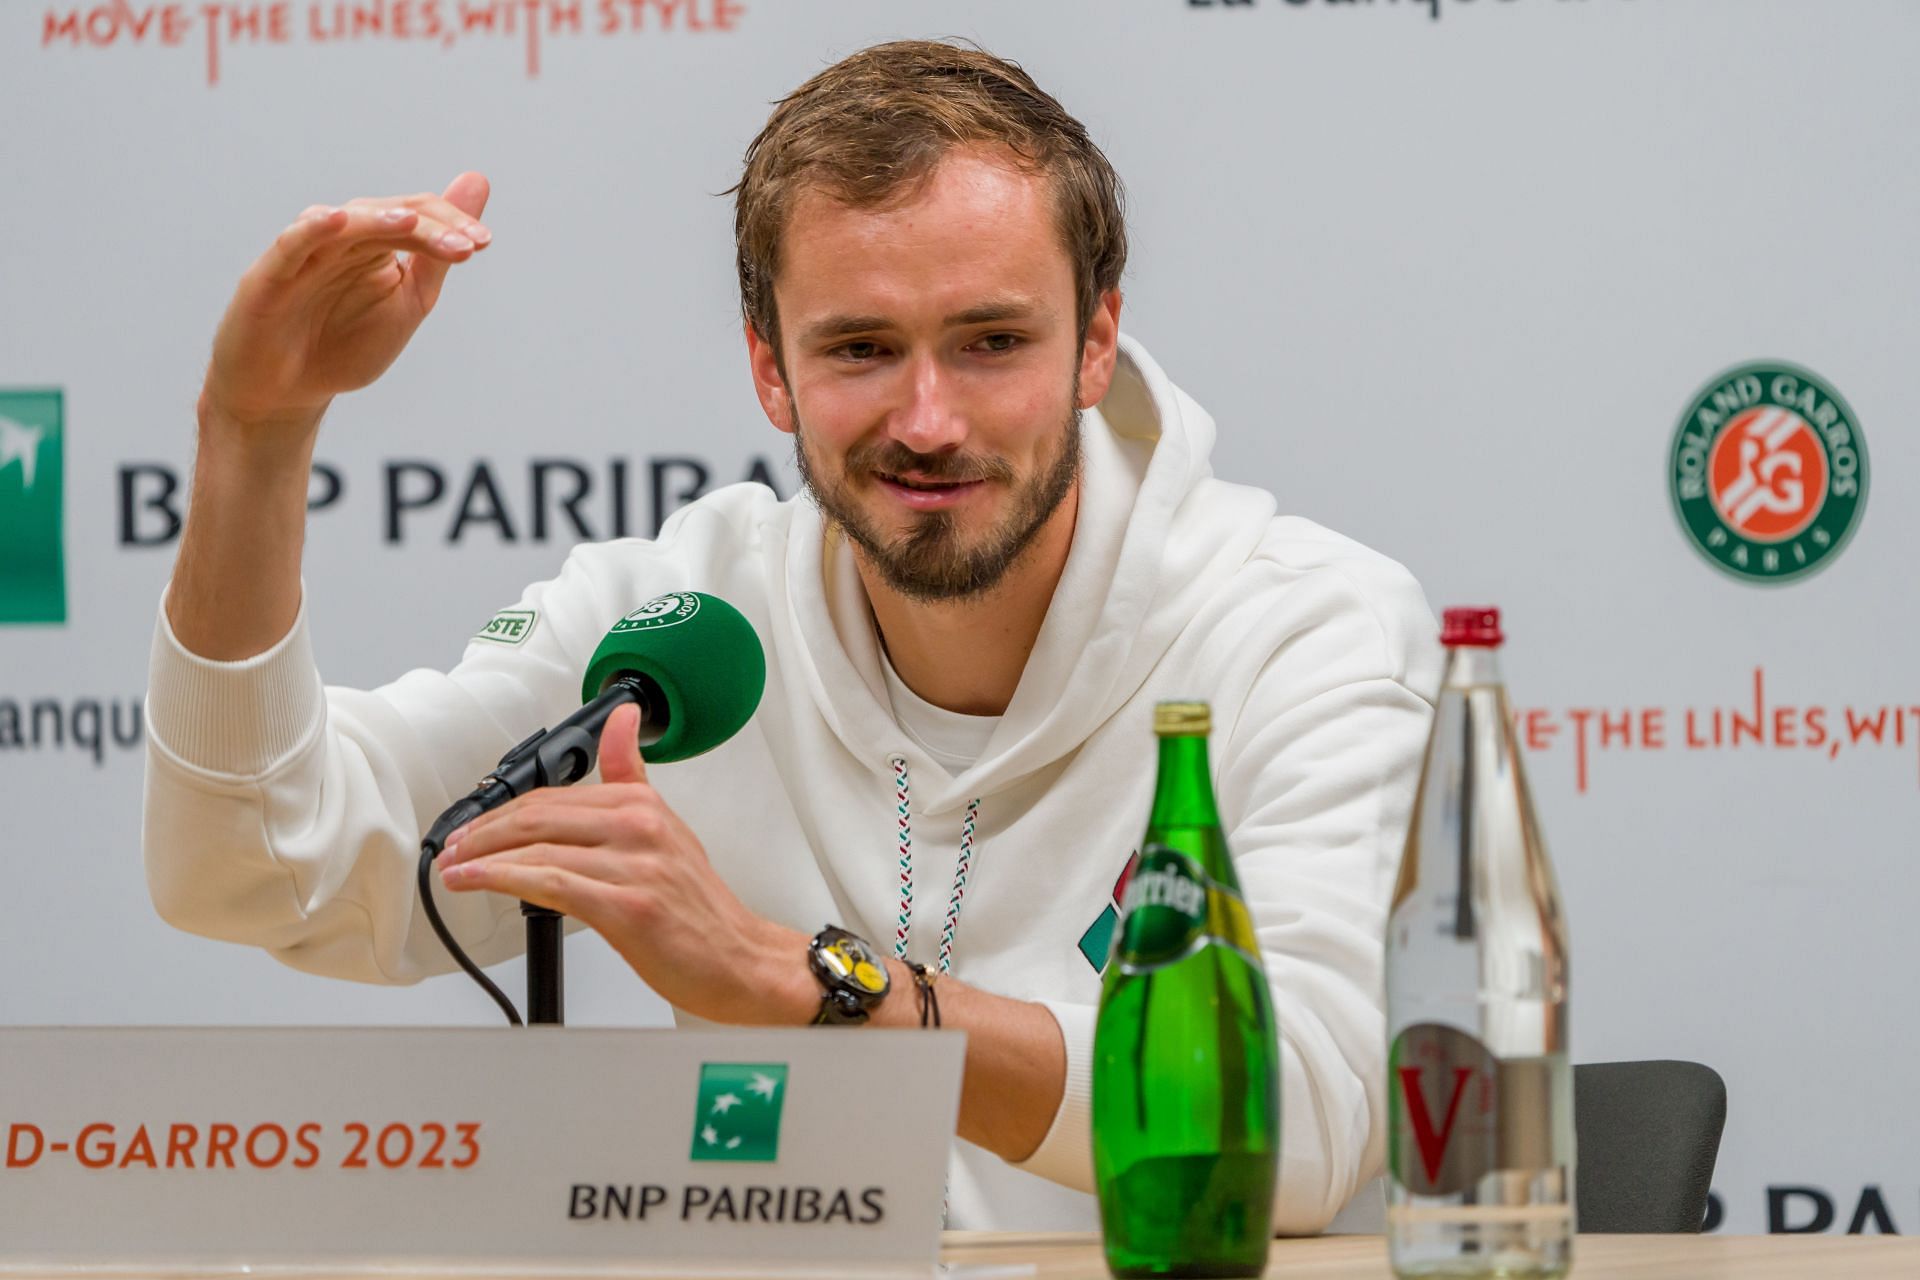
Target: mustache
{"x": 893, "y": 458}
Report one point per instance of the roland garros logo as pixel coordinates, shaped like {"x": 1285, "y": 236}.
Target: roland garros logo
{"x": 661, "y": 611}
{"x": 1768, "y": 472}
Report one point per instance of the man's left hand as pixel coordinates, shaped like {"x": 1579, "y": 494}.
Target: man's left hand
{"x": 616, "y": 858}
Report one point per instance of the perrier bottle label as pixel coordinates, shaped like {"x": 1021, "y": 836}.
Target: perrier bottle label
{"x": 1186, "y": 1063}
{"x": 1173, "y": 908}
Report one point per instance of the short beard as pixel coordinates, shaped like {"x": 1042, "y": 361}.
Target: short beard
{"x": 929, "y": 564}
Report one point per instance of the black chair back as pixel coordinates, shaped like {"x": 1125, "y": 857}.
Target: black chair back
{"x": 1647, "y": 1135}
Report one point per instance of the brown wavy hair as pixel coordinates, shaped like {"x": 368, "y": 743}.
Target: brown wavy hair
{"x": 870, "y": 130}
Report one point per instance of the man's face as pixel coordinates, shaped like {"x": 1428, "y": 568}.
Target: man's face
{"x": 933, "y": 377}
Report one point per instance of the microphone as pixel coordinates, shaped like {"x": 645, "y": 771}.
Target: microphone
{"x": 697, "y": 657}
{"x": 688, "y": 660}
{"x": 695, "y": 669}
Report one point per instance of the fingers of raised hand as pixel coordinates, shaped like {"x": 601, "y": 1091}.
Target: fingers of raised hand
{"x": 422, "y": 224}
{"x": 452, "y": 216}
{"x": 316, "y": 225}
{"x": 445, "y": 220}
{"x": 419, "y": 224}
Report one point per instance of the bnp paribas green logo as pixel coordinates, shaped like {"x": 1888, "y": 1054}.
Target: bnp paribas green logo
{"x": 738, "y": 1114}
{"x": 1768, "y": 472}
{"x": 33, "y": 582}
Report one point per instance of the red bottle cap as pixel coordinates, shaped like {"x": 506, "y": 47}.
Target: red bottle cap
{"x": 1476, "y": 626}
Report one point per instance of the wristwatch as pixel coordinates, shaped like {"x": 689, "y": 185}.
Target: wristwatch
{"x": 854, "y": 977}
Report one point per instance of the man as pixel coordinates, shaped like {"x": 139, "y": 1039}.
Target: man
{"x": 1013, "y": 549}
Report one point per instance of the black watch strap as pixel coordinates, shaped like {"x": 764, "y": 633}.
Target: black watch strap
{"x": 840, "y": 1009}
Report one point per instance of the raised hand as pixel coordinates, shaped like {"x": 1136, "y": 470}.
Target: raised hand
{"x": 335, "y": 299}
{"x": 325, "y": 309}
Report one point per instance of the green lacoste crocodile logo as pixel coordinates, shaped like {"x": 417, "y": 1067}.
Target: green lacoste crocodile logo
{"x": 509, "y": 627}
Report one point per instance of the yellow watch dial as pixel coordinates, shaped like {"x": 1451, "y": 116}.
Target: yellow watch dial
{"x": 851, "y": 971}
{"x": 841, "y": 958}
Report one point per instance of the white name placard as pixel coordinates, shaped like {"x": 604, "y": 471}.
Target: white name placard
{"x": 542, "y": 1151}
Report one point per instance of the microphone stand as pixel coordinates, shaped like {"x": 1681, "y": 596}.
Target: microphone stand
{"x": 546, "y": 998}
{"x": 562, "y": 755}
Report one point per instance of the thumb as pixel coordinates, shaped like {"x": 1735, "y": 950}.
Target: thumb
{"x": 620, "y": 747}
{"x": 468, "y": 193}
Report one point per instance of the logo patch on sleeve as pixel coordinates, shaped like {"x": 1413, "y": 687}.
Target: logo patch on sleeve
{"x": 509, "y": 627}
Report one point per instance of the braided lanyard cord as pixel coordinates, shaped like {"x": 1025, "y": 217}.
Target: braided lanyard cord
{"x": 903, "y": 922}
{"x": 960, "y": 869}
{"x": 903, "y": 925}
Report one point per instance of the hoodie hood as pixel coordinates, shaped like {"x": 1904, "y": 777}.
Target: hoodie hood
{"x": 1130, "y": 586}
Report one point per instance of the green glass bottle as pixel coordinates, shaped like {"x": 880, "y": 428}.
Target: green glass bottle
{"x": 1186, "y": 1061}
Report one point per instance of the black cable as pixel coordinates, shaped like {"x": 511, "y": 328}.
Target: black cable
{"x": 428, "y": 852}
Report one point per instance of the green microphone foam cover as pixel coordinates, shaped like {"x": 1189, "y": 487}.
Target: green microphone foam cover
{"x": 703, "y": 655}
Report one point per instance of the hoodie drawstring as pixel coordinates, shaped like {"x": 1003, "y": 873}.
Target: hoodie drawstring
{"x": 903, "y": 922}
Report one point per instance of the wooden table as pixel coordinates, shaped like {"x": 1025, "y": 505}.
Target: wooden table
{"x": 992, "y": 1255}
{"x": 979, "y": 1255}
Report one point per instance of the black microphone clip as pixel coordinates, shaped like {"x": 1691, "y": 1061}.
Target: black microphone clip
{"x": 555, "y": 757}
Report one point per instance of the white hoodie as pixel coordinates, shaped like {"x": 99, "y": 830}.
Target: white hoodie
{"x": 287, "y": 815}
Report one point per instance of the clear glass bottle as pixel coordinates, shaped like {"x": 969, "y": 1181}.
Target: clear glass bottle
{"x": 1480, "y": 1091}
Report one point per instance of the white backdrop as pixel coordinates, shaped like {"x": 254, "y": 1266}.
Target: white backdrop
{"x": 1447, "y": 272}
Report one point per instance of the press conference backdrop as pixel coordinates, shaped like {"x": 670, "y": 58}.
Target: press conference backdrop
{"x": 1469, "y": 280}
